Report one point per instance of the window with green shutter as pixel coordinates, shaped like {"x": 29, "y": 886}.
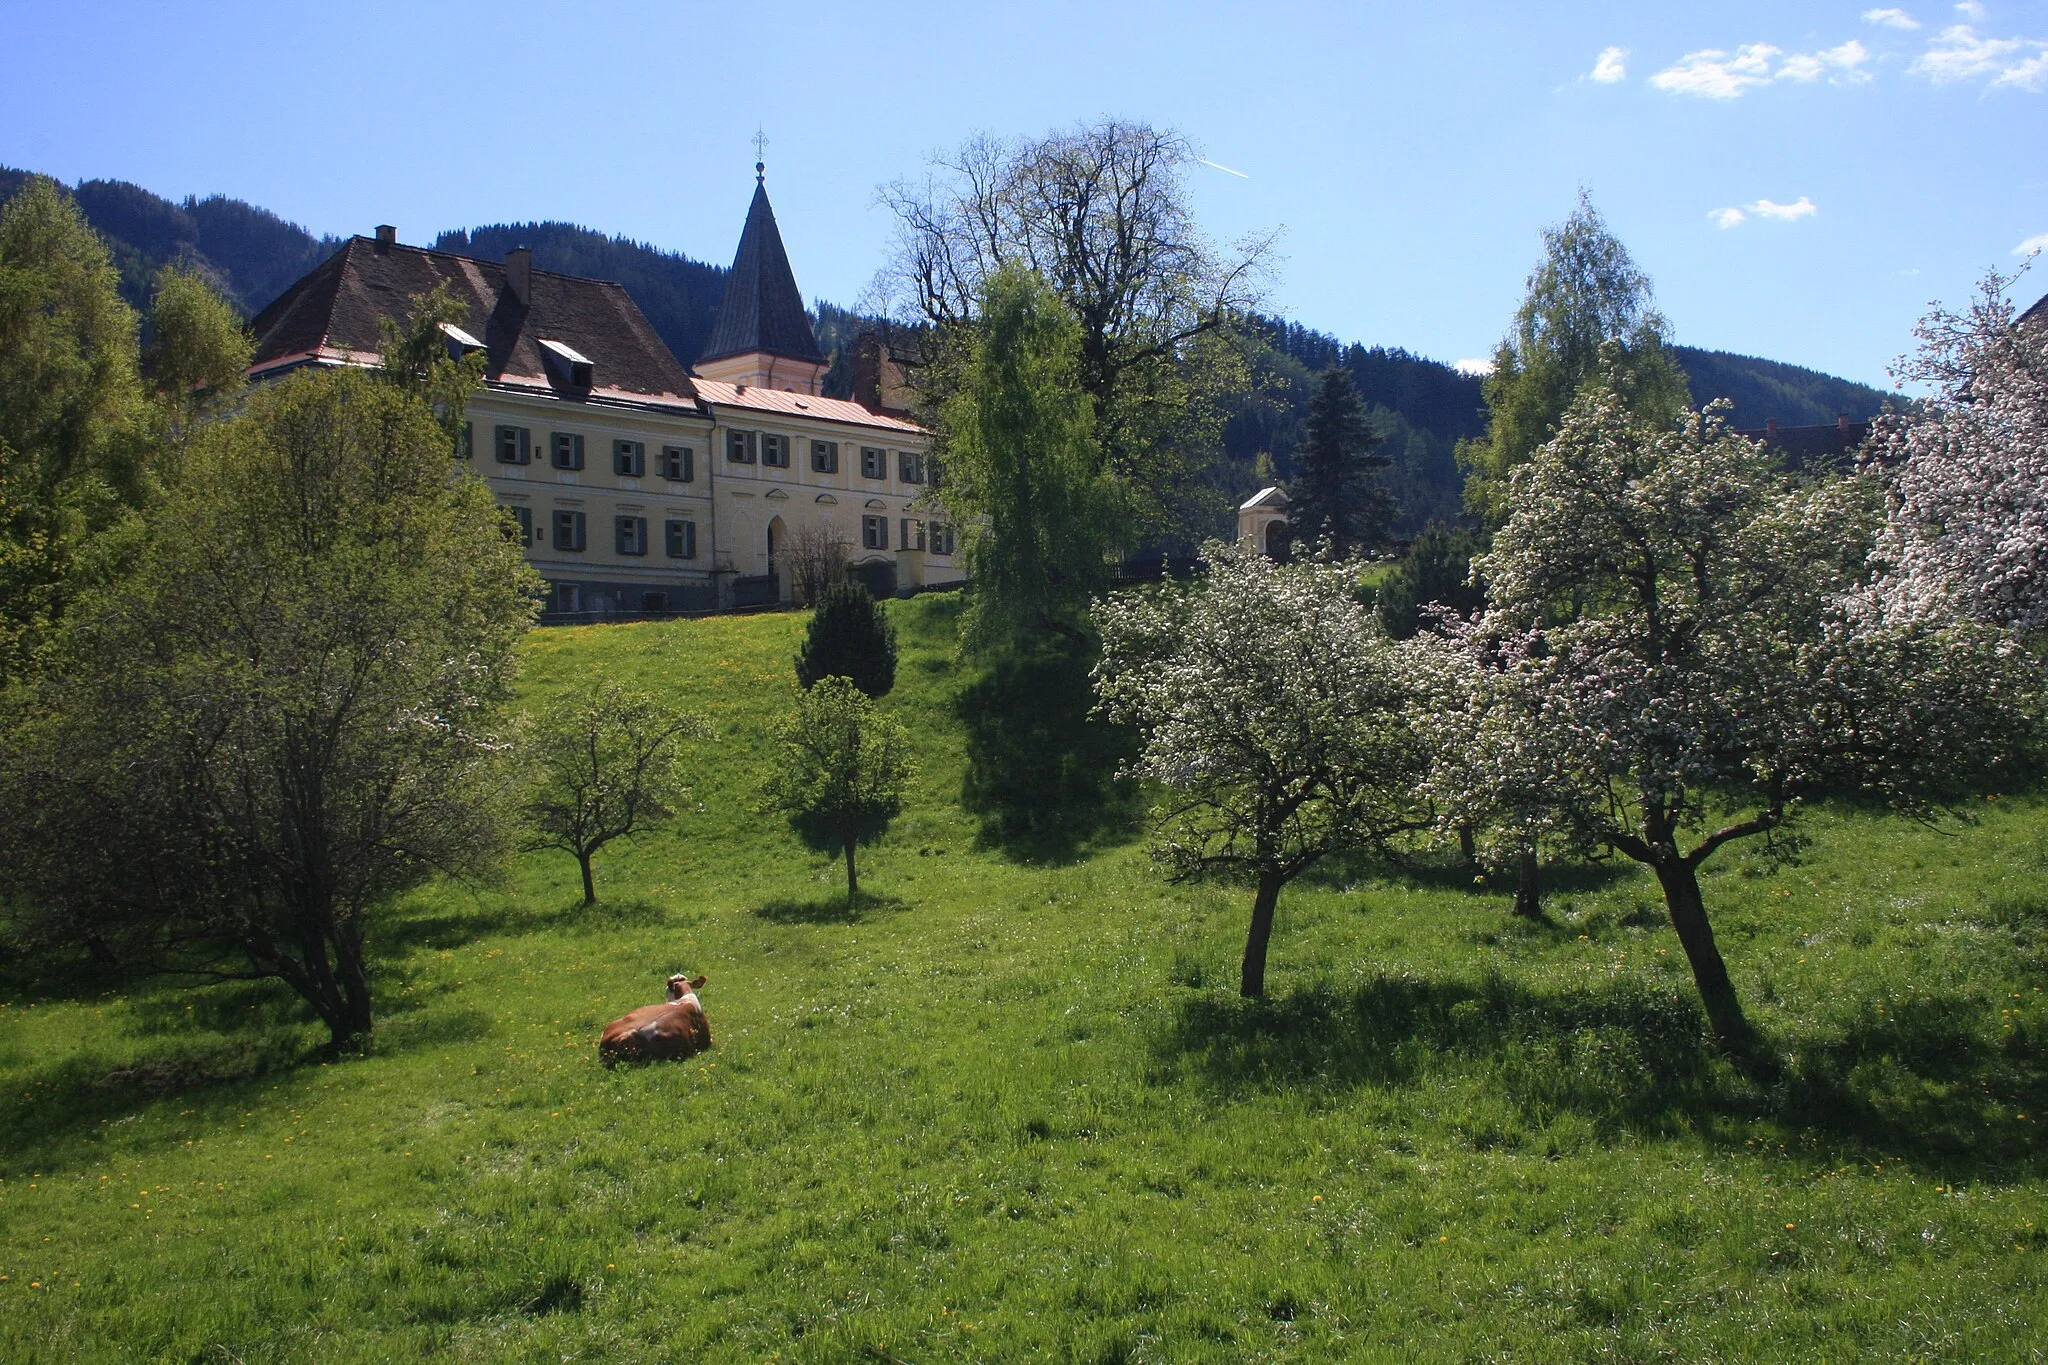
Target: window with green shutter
{"x": 681, "y": 536}
{"x": 568, "y": 450}
{"x": 678, "y": 464}
{"x": 568, "y": 529}
{"x": 629, "y": 535}
{"x": 739, "y": 447}
{"x": 629, "y": 459}
{"x": 514, "y": 445}
{"x": 824, "y": 457}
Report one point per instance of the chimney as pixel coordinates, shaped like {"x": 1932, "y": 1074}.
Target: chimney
{"x": 519, "y": 273}
{"x": 867, "y": 371}
{"x": 387, "y": 236}
{"x": 1770, "y": 428}
{"x": 1842, "y": 422}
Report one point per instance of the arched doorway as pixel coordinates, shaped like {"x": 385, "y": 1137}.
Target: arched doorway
{"x": 775, "y": 543}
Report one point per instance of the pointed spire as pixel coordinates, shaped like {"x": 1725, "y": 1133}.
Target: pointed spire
{"x": 762, "y": 311}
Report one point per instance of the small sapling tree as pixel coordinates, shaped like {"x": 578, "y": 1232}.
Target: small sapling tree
{"x": 843, "y": 770}
{"x": 850, "y": 637}
{"x": 606, "y": 768}
{"x": 1273, "y": 711}
{"x": 1681, "y": 642}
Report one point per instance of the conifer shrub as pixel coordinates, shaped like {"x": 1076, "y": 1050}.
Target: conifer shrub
{"x": 849, "y": 637}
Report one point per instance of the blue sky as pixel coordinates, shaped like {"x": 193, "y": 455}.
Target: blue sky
{"x": 1798, "y": 179}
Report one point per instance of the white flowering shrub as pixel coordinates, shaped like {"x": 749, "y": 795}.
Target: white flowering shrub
{"x": 1275, "y": 715}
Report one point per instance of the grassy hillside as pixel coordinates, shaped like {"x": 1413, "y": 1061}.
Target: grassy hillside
{"x": 1014, "y": 1112}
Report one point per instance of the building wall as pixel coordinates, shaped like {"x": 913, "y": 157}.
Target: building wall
{"x": 733, "y": 504}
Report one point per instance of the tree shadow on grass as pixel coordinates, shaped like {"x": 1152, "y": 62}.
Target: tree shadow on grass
{"x": 1041, "y": 768}
{"x": 828, "y": 909}
{"x": 1630, "y": 1060}
{"x": 71, "y": 1105}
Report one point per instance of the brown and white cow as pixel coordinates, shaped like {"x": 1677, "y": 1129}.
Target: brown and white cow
{"x": 655, "y": 1033}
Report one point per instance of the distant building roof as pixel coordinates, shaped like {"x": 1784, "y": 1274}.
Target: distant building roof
{"x": 2038, "y": 313}
{"x": 717, "y": 393}
{"x": 1265, "y": 497}
{"x": 761, "y": 311}
{"x": 1833, "y": 444}
{"x": 331, "y": 316}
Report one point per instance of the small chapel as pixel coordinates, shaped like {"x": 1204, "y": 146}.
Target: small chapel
{"x": 637, "y": 484}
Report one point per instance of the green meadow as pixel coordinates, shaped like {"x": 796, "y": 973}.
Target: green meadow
{"x": 1010, "y": 1108}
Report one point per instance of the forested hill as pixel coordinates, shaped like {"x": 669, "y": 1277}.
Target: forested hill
{"x": 1422, "y": 406}
{"x": 1766, "y": 389}
{"x": 678, "y": 295}
{"x": 248, "y": 253}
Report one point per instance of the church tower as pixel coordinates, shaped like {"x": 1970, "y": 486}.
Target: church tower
{"x": 762, "y": 336}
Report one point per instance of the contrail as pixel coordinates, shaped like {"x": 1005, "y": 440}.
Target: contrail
{"x": 1225, "y": 169}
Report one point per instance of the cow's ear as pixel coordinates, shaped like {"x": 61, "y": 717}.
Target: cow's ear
{"x": 698, "y": 984}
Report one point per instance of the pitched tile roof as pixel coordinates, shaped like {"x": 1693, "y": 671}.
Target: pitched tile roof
{"x": 716, "y": 393}
{"x": 331, "y": 317}
{"x": 762, "y": 309}
{"x": 1831, "y": 445}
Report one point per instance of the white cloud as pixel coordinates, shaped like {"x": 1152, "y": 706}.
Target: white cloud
{"x": 1789, "y": 213}
{"x": 1472, "y": 365}
{"x": 1890, "y": 18}
{"x": 1959, "y": 54}
{"x": 2033, "y": 246}
{"x": 1608, "y": 67}
{"x": 1842, "y": 65}
{"x": 1970, "y": 9}
{"x": 1801, "y": 207}
{"x": 1714, "y": 74}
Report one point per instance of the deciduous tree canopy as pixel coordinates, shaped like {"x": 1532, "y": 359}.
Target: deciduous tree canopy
{"x": 1679, "y": 643}
{"x": 1274, "y": 715}
{"x": 285, "y": 711}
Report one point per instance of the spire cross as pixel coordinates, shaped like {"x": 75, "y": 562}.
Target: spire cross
{"x": 760, "y": 153}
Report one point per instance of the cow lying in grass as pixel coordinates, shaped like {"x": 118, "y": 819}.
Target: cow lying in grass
{"x": 656, "y": 1033}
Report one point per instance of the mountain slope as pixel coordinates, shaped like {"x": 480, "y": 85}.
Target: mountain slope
{"x": 248, "y": 253}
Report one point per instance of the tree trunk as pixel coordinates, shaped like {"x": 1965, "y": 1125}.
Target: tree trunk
{"x": 852, "y": 881}
{"x": 1468, "y": 848}
{"x": 589, "y": 886}
{"x": 1253, "y": 983}
{"x": 1528, "y": 894}
{"x": 1689, "y": 917}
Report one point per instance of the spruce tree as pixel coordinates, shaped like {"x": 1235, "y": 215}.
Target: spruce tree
{"x": 849, "y": 637}
{"x": 1436, "y": 570}
{"x": 1335, "y": 499}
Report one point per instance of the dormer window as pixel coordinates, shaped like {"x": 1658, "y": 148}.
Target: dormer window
{"x": 566, "y": 365}
{"x": 459, "y": 342}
